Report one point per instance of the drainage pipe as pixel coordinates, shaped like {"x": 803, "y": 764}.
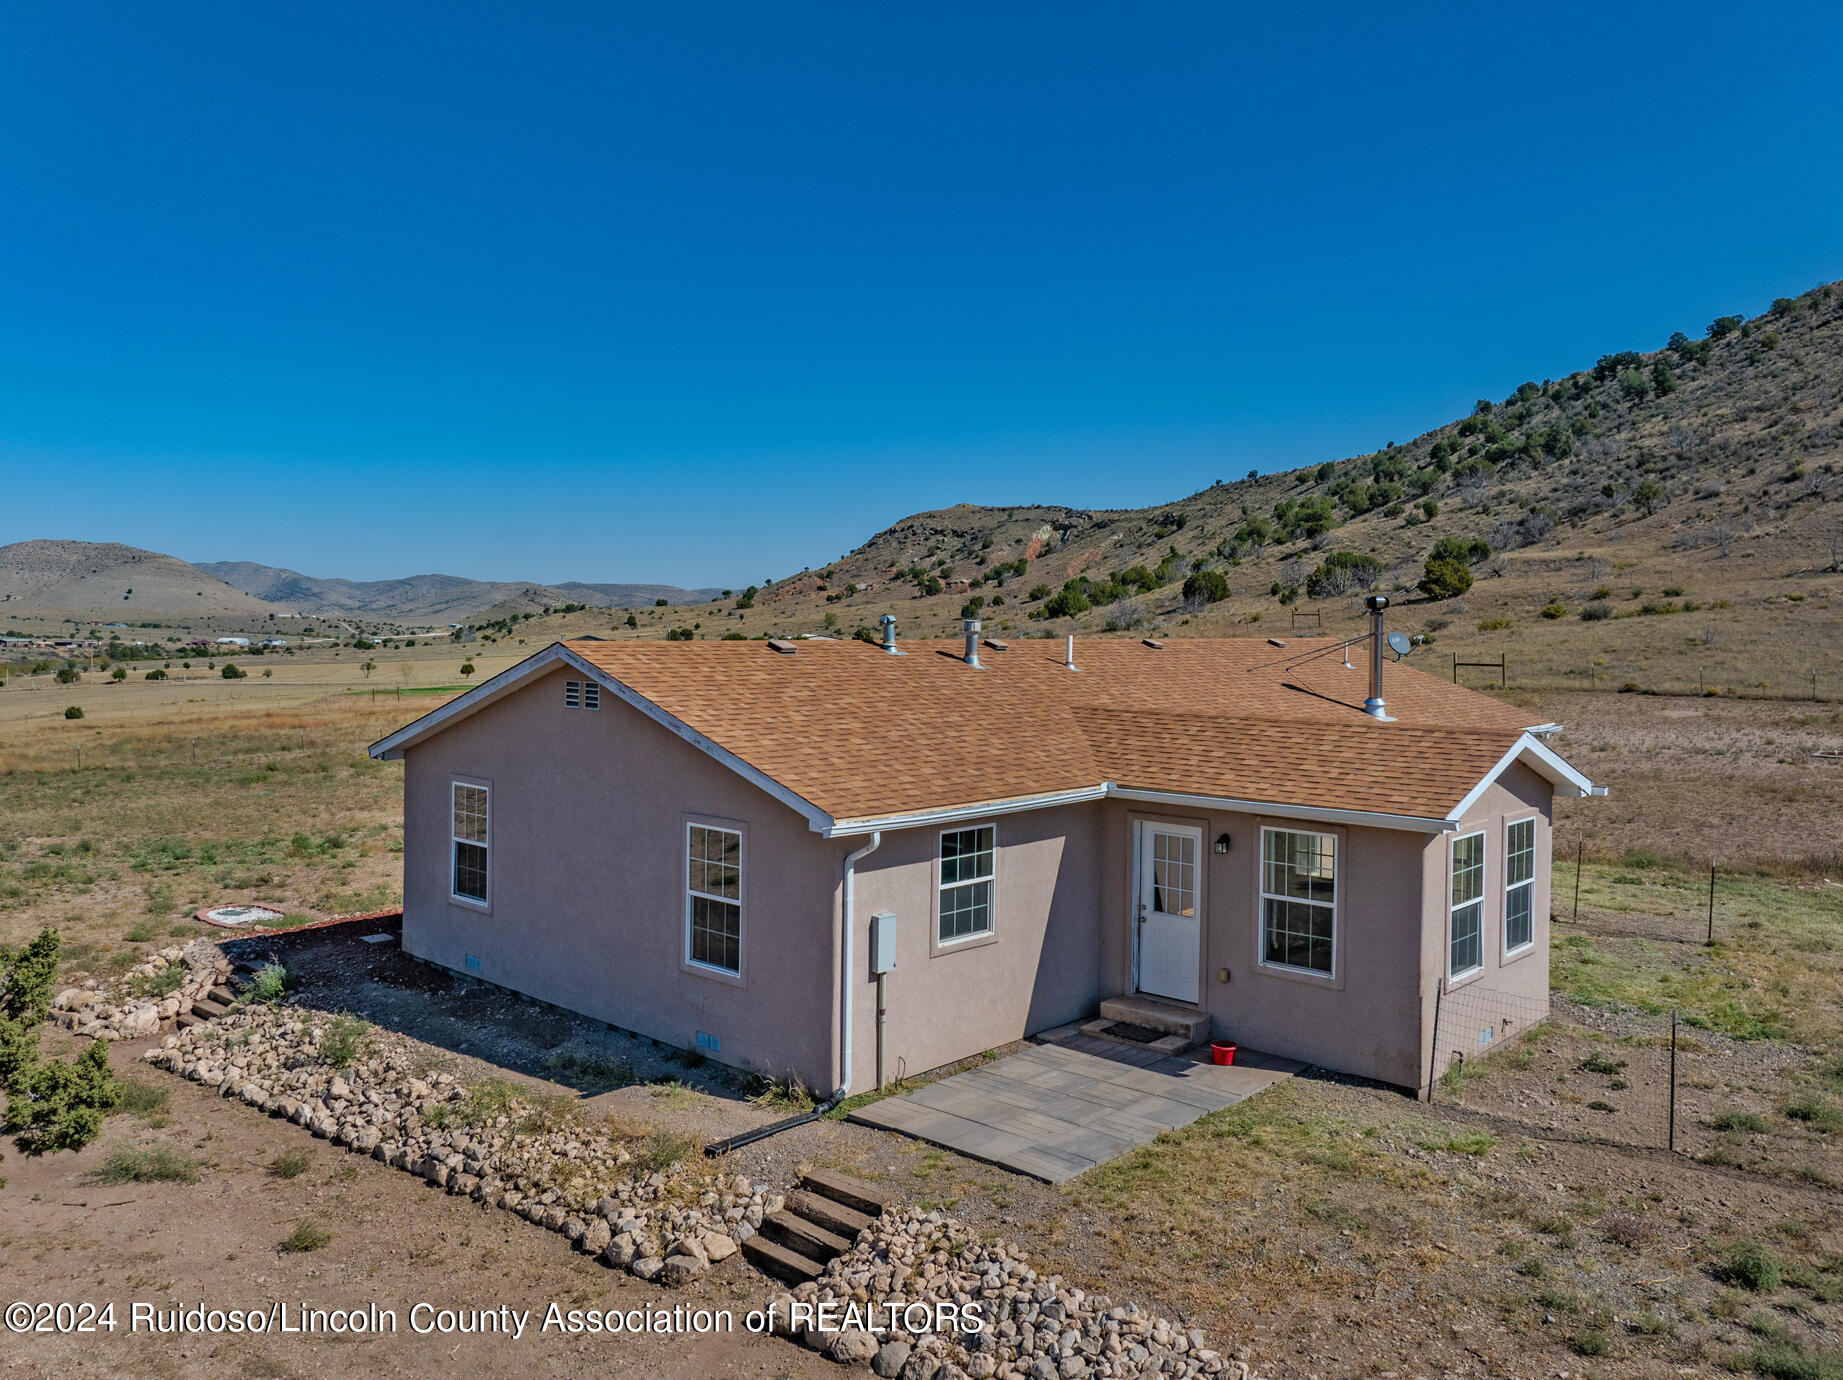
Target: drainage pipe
{"x": 850, "y": 973}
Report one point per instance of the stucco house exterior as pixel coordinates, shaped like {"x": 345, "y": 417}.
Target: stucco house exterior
{"x": 690, "y": 840}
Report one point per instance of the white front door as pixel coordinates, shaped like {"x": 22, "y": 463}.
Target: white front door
{"x": 1167, "y": 911}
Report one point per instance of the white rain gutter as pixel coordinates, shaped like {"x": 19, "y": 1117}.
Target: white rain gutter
{"x": 850, "y": 924}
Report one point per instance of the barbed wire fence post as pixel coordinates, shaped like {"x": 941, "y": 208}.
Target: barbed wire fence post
{"x": 1671, "y": 1143}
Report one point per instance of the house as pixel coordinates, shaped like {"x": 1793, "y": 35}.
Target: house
{"x": 690, "y": 840}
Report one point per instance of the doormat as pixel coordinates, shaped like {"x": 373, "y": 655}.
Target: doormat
{"x": 1138, "y": 1034}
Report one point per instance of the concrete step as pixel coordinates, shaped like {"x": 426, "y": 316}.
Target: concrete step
{"x": 770, "y": 1257}
{"x": 824, "y": 1212}
{"x": 842, "y": 1188}
{"x": 1170, "y": 1018}
{"x": 808, "y": 1238}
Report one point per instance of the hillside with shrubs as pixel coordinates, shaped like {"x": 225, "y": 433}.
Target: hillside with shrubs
{"x": 1699, "y": 477}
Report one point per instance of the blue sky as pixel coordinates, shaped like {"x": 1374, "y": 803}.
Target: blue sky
{"x": 706, "y": 294}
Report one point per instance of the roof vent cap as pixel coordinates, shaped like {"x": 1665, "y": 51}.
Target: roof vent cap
{"x": 1153, "y": 643}
{"x": 781, "y": 645}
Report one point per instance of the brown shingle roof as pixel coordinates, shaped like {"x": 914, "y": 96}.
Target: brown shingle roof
{"x": 861, "y": 734}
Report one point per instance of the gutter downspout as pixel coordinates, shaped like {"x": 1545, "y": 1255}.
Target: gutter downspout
{"x": 723, "y": 1147}
{"x": 849, "y": 926}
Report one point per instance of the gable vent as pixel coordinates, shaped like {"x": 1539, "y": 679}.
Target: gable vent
{"x": 581, "y": 694}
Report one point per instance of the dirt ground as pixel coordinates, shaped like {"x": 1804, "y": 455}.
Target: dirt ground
{"x": 395, "y": 1243}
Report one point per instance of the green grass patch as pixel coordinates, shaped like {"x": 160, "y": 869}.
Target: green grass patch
{"x": 1793, "y": 1360}
{"x": 1463, "y": 1143}
{"x": 345, "y": 1039}
{"x": 662, "y": 1150}
{"x": 1772, "y": 974}
{"x": 290, "y": 1164}
{"x": 156, "y": 1165}
{"x": 1752, "y": 1267}
{"x": 1815, "y": 1112}
{"x": 141, "y": 1098}
{"x": 307, "y": 1236}
{"x": 1750, "y": 1122}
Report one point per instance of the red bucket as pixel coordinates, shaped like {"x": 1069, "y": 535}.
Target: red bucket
{"x": 1222, "y": 1051}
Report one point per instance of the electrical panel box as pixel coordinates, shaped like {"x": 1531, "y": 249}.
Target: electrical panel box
{"x": 882, "y": 942}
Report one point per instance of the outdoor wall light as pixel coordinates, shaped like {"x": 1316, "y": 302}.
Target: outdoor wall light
{"x": 1222, "y": 843}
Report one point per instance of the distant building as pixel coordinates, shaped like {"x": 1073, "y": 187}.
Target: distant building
{"x": 275, "y": 642}
{"x": 233, "y": 642}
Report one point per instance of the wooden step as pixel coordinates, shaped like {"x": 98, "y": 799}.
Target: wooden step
{"x": 853, "y": 1193}
{"x": 824, "y": 1212}
{"x": 223, "y": 996}
{"x": 185, "y": 1020}
{"x": 208, "y": 1009}
{"x": 775, "y": 1259}
{"x": 808, "y": 1238}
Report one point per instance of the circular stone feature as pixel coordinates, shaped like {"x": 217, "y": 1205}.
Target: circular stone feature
{"x": 240, "y": 915}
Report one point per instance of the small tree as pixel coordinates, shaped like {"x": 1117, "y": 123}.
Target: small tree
{"x": 1649, "y": 495}
{"x": 60, "y": 1106}
{"x": 1207, "y": 586}
{"x": 632, "y": 622}
{"x": 1448, "y": 571}
{"x": 232, "y": 671}
{"x": 467, "y": 668}
{"x": 119, "y": 674}
{"x": 26, "y": 979}
{"x": 1341, "y": 572}
{"x": 74, "y": 711}
{"x": 366, "y": 666}
{"x": 155, "y": 674}
{"x": 69, "y": 675}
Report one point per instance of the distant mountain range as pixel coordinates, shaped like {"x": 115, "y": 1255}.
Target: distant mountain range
{"x": 107, "y": 580}
{"x": 445, "y": 598}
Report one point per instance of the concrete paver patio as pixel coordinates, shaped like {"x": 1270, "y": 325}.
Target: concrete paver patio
{"x": 1056, "y": 1109}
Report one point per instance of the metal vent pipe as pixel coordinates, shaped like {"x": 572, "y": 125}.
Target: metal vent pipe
{"x": 971, "y": 627}
{"x": 888, "y": 621}
{"x": 1374, "y": 705}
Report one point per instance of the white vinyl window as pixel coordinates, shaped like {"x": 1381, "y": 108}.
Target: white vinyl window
{"x": 966, "y": 883}
{"x": 1466, "y": 944}
{"x": 471, "y": 839}
{"x": 713, "y": 897}
{"x": 1298, "y": 900}
{"x": 1519, "y": 885}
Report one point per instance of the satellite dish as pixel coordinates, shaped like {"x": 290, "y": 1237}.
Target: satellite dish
{"x": 1400, "y": 643}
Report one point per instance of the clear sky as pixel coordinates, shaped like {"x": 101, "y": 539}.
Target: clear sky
{"x": 707, "y": 293}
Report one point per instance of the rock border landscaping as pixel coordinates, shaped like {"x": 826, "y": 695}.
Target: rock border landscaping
{"x": 89, "y": 1010}
{"x": 503, "y": 1146}
{"x": 1034, "y": 1327}
{"x": 493, "y": 1143}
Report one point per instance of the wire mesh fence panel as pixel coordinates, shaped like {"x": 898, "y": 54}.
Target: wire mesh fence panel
{"x": 1564, "y": 1072}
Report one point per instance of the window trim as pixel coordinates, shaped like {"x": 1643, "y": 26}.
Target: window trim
{"x": 1509, "y": 886}
{"x": 1453, "y": 907}
{"x": 482, "y": 904}
{"x": 1339, "y": 858}
{"x": 989, "y": 935}
{"x": 686, "y": 962}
